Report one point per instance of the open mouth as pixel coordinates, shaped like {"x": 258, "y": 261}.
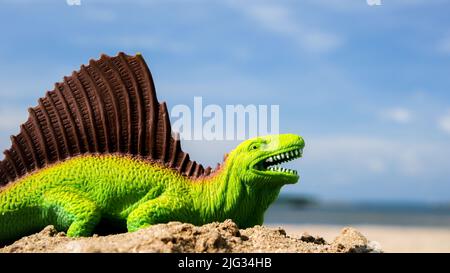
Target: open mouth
{"x": 271, "y": 164}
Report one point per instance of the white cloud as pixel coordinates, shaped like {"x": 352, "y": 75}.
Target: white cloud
{"x": 444, "y": 123}
{"x": 358, "y": 155}
{"x": 397, "y": 114}
{"x": 278, "y": 19}
{"x": 443, "y": 45}
{"x": 376, "y": 165}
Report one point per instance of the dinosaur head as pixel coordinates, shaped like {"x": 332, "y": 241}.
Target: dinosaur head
{"x": 256, "y": 161}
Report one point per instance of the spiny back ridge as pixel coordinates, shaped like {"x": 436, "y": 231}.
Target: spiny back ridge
{"x": 109, "y": 106}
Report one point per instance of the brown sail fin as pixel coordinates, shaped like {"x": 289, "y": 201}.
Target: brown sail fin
{"x": 109, "y": 106}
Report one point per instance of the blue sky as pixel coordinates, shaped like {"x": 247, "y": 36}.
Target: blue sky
{"x": 367, "y": 86}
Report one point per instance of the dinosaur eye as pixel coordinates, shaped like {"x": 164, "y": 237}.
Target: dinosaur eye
{"x": 254, "y": 147}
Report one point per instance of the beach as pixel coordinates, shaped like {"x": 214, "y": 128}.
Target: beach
{"x": 390, "y": 238}
{"x": 176, "y": 237}
{"x": 227, "y": 237}
{"x": 398, "y": 227}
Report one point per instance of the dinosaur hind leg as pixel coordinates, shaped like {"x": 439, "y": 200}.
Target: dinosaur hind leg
{"x": 160, "y": 210}
{"x": 70, "y": 210}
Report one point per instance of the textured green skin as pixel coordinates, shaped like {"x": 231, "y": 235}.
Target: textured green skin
{"x": 74, "y": 195}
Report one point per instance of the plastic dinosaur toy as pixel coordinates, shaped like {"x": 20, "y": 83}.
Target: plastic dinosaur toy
{"x": 99, "y": 148}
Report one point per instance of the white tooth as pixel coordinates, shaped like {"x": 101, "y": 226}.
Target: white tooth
{"x": 292, "y": 153}
{"x": 269, "y": 160}
{"x": 296, "y": 152}
{"x": 278, "y": 157}
{"x": 287, "y": 155}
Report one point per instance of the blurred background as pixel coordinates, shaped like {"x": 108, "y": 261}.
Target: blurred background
{"x": 366, "y": 85}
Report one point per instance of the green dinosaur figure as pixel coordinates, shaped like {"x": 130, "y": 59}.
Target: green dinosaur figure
{"x": 99, "y": 148}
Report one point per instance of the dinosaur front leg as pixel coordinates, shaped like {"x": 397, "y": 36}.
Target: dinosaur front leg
{"x": 68, "y": 209}
{"x": 160, "y": 210}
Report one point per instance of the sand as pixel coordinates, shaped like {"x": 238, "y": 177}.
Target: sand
{"x": 180, "y": 237}
{"x": 390, "y": 238}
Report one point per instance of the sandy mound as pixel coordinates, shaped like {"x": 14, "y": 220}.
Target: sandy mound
{"x": 180, "y": 237}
